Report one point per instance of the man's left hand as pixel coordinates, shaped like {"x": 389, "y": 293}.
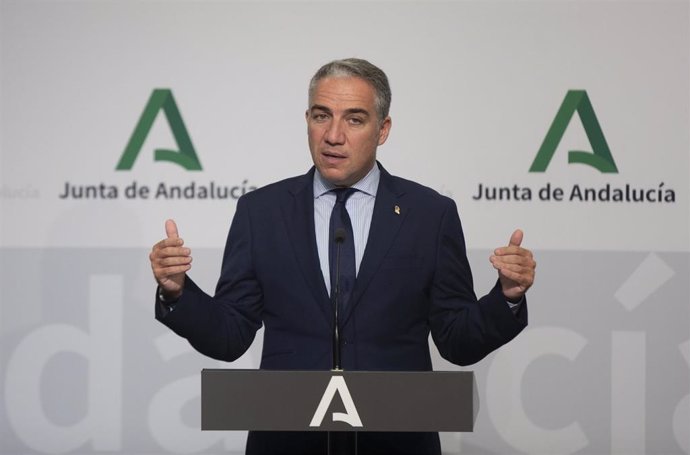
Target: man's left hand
{"x": 515, "y": 267}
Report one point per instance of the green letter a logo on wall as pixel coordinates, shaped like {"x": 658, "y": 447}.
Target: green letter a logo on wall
{"x": 600, "y": 157}
{"x": 161, "y": 99}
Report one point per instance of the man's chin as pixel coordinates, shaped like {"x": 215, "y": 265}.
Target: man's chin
{"x": 337, "y": 178}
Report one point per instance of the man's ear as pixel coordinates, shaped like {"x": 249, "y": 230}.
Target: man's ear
{"x": 385, "y": 129}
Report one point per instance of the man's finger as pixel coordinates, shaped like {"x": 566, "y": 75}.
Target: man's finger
{"x": 516, "y": 238}
{"x": 171, "y": 229}
{"x": 524, "y": 261}
{"x": 175, "y": 251}
{"x": 167, "y": 243}
{"x": 173, "y": 261}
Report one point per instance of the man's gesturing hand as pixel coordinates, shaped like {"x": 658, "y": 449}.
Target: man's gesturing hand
{"x": 170, "y": 260}
{"x": 515, "y": 267}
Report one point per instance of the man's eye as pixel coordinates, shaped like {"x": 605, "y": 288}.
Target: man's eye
{"x": 355, "y": 121}
{"x": 319, "y": 117}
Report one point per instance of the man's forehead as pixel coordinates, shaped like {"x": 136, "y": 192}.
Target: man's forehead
{"x": 343, "y": 92}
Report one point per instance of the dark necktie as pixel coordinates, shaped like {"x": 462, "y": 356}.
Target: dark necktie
{"x": 345, "y": 265}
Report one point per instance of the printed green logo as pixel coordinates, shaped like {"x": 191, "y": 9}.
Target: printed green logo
{"x": 161, "y": 99}
{"x": 600, "y": 156}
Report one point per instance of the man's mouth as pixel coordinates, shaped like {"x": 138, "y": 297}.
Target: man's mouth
{"x": 333, "y": 156}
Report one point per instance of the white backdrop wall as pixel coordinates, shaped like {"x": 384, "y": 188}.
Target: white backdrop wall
{"x": 604, "y": 366}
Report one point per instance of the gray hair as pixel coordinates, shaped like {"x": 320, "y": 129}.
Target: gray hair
{"x": 357, "y": 67}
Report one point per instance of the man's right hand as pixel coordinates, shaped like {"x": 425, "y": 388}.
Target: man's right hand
{"x": 170, "y": 260}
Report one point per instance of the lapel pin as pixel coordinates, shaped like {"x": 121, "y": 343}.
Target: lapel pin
{"x": 397, "y": 210}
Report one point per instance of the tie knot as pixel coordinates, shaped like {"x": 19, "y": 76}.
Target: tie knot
{"x": 342, "y": 194}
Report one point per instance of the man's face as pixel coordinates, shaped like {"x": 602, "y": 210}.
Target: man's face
{"x": 344, "y": 129}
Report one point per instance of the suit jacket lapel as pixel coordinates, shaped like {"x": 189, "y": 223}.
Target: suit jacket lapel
{"x": 385, "y": 223}
{"x": 299, "y": 218}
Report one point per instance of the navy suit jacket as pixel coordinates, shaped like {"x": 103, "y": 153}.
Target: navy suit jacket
{"x": 414, "y": 279}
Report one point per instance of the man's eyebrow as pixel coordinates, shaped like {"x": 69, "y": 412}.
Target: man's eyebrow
{"x": 357, "y": 110}
{"x": 354, "y": 110}
{"x": 318, "y": 107}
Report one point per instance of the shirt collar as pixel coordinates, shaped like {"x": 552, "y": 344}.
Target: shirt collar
{"x": 369, "y": 184}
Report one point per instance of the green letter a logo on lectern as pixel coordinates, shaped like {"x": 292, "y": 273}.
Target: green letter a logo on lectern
{"x": 600, "y": 156}
{"x": 161, "y": 99}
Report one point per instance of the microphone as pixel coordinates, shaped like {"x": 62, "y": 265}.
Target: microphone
{"x": 339, "y": 236}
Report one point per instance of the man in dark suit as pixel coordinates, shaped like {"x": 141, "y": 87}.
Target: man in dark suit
{"x": 404, "y": 271}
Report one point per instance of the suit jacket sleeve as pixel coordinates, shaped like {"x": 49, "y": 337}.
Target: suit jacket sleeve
{"x": 222, "y": 327}
{"x": 465, "y": 329}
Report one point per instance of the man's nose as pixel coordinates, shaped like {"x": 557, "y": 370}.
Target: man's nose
{"x": 335, "y": 134}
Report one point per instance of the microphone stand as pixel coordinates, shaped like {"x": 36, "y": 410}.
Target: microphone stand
{"x": 339, "y": 239}
{"x": 339, "y": 442}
